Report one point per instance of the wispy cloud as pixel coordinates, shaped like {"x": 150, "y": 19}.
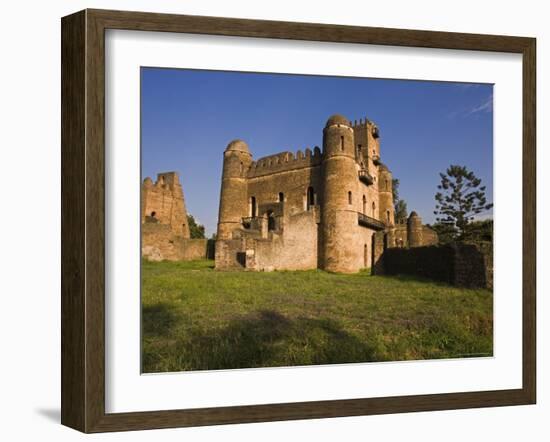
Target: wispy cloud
{"x": 485, "y": 106}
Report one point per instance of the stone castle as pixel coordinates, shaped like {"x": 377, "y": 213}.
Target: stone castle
{"x": 330, "y": 209}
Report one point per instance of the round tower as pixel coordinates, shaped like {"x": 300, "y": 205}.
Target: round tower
{"x": 414, "y": 230}
{"x": 386, "y": 212}
{"x": 233, "y": 203}
{"x": 340, "y": 251}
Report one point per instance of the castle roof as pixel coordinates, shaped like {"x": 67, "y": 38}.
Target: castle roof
{"x": 238, "y": 146}
{"x": 337, "y": 119}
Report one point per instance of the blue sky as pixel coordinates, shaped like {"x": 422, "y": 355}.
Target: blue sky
{"x": 189, "y": 116}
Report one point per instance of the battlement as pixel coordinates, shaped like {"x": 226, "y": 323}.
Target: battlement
{"x": 285, "y": 161}
{"x": 165, "y": 180}
{"x": 361, "y": 123}
{"x": 162, "y": 202}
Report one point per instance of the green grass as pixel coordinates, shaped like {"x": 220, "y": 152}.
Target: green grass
{"x": 195, "y": 318}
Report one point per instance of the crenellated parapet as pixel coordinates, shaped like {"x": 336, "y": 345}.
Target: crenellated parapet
{"x": 361, "y": 123}
{"x": 285, "y": 161}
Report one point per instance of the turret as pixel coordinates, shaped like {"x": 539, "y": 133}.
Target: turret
{"x": 414, "y": 230}
{"x": 340, "y": 252}
{"x": 233, "y": 203}
{"x": 367, "y": 144}
{"x": 373, "y": 135}
{"x": 386, "y": 209}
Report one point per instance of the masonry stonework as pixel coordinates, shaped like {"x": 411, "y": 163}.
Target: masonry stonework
{"x": 164, "y": 228}
{"x": 162, "y": 202}
{"x": 330, "y": 209}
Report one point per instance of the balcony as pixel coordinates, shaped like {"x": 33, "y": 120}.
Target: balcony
{"x": 252, "y": 222}
{"x": 376, "y": 159}
{"x": 365, "y": 177}
{"x": 371, "y": 223}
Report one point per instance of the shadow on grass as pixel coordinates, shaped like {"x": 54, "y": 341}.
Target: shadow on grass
{"x": 263, "y": 339}
{"x": 157, "y": 320}
{"x": 416, "y": 278}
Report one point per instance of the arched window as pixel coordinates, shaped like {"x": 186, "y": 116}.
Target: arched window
{"x": 349, "y": 198}
{"x": 281, "y": 197}
{"x": 153, "y": 214}
{"x": 241, "y": 168}
{"x": 253, "y": 206}
{"x": 364, "y": 204}
{"x": 310, "y": 197}
{"x": 342, "y": 143}
{"x": 388, "y": 216}
{"x": 373, "y": 210}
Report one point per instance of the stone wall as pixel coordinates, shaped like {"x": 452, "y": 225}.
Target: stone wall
{"x": 292, "y": 184}
{"x": 465, "y": 265}
{"x": 296, "y": 250}
{"x": 159, "y": 243}
{"x": 162, "y": 202}
{"x": 429, "y": 235}
{"x": 230, "y": 254}
{"x": 486, "y": 248}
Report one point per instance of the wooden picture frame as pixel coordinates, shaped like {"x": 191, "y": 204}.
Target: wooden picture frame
{"x": 83, "y": 220}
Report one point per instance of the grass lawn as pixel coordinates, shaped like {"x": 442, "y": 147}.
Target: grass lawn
{"x": 195, "y": 318}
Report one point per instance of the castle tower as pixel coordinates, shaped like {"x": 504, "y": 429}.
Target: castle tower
{"x": 339, "y": 217}
{"x": 386, "y": 212}
{"x": 367, "y": 140}
{"x": 414, "y": 230}
{"x": 233, "y": 203}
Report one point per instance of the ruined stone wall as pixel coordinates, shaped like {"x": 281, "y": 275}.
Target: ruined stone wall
{"x": 297, "y": 249}
{"x": 400, "y": 236}
{"x": 487, "y": 248}
{"x": 159, "y": 243}
{"x": 230, "y": 254}
{"x": 464, "y": 265}
{"x": 163, "y": 202}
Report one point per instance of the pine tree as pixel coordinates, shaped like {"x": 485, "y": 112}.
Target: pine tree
{"x": 460, "y": 198}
